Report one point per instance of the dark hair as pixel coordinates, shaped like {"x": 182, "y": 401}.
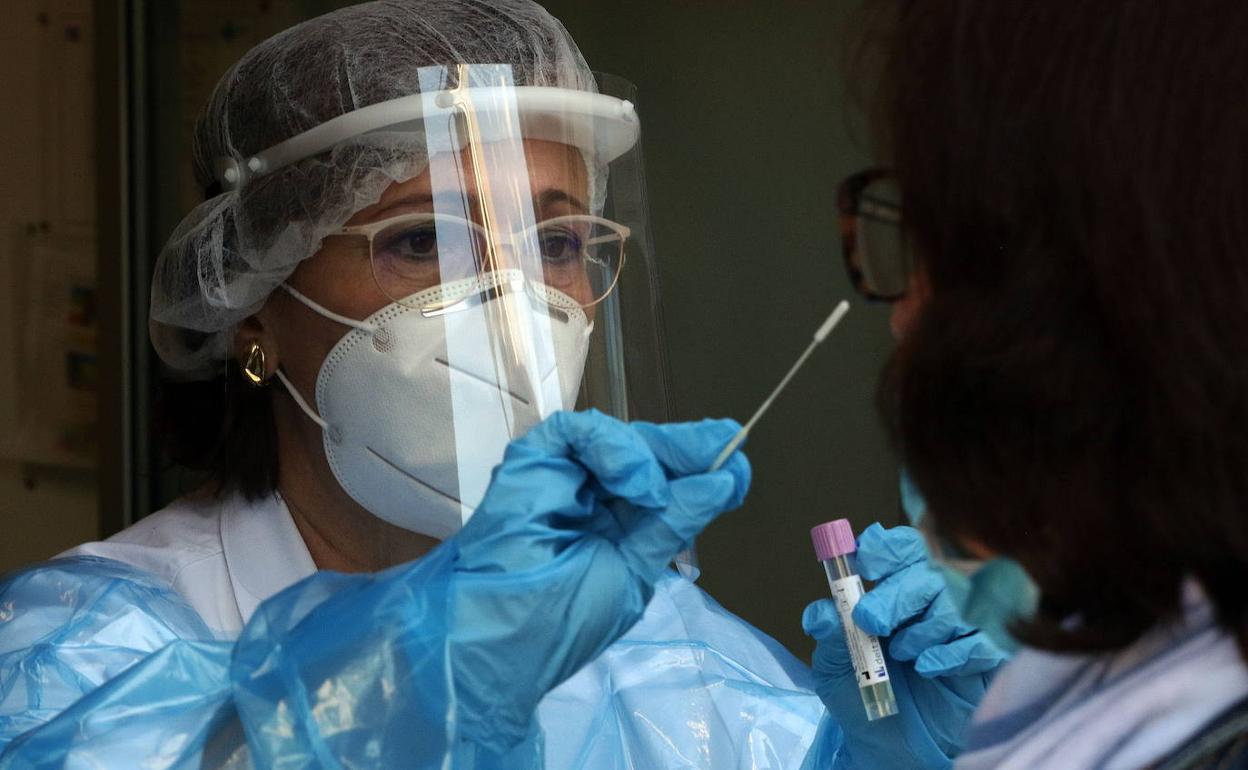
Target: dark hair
{"x": 1074, "y": 394}
{"x": 222, "y": 428}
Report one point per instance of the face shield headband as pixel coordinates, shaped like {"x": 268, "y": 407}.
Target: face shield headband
{"x": 602, "y": 127}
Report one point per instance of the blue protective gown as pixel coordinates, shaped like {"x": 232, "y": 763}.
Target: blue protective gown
{"x": 204, "y": 637}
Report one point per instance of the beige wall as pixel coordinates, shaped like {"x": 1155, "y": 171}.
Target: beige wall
{"x": 47, "y": 135}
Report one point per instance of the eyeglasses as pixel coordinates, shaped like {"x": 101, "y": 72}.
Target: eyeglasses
{"x": 873, "y": 242}
{"x": 579, "y": 255}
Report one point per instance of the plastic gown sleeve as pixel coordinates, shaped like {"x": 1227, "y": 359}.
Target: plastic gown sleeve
{"x": 438, "y": 663}
{"x": 101, "y": 665}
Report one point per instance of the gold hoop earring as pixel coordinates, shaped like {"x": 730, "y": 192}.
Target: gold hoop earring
{"x": 254, "y": 369}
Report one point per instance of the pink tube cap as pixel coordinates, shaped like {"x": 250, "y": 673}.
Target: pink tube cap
{"x": 833, "y": 538}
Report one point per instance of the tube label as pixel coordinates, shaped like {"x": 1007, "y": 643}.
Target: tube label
{"x": 864, "y": 649}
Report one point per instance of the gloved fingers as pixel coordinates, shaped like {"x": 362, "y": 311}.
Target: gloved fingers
{"x": 898, "y": 599}
{"x": 881, "y": 552}
{"x": 974, "y": 654}
{"x": 686, "y": 448}
{"x": 822, "y": 622}
{"x": 736, "y": 464}
{"x": 616, "y": 519}
{"x": 694, "y": 502}
{"x": 616, "y": 456}
{"x": 938, "y": 624}
{"x": 529, "y": 489}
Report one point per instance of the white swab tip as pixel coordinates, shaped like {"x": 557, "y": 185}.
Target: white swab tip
{"x": 833, "y": 320}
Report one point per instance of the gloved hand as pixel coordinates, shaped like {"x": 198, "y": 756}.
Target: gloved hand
{"x": 939, "y": 665}
{"x": 581, "y": 518}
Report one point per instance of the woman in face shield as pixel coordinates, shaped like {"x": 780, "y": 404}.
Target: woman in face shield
{"x": 423, "y": 241}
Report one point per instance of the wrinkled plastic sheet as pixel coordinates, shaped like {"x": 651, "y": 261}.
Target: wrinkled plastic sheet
{"x": 101, "y": 666}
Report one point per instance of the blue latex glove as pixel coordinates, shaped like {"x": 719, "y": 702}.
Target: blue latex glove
{"x": 581, "y": 518}
{"x": 939, "y": 665}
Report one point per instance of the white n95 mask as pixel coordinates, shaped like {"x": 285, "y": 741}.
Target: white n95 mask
{"x": 417, "y": 406}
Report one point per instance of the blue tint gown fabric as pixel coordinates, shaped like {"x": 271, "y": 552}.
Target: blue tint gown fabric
{"x": 204, "y": 637}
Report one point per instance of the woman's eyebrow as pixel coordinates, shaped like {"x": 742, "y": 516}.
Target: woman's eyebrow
{"x": 415, "y": 199}
{"x": 549, "y": 197}
{"x": 553, "y": 196}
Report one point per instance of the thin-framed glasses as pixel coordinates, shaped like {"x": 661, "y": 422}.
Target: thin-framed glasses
{"x": 873, "y": 241}
{"x": 579, "y": 255}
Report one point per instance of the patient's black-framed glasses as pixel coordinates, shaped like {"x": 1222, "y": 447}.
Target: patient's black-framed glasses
{"x": 873, "y": 241}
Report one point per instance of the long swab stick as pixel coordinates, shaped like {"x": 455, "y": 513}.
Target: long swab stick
{"x": 820, "y": 336}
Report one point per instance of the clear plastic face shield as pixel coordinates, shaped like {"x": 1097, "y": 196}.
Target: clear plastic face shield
{"x": 516, "y": 275}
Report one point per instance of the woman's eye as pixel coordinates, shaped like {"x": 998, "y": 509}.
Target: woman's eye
{"x": 415, "y": 243}
{"x": 561, "y": 245}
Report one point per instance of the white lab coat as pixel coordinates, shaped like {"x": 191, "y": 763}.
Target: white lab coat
{"x": 690, "y": 679}
{"x": 223, "y": 557}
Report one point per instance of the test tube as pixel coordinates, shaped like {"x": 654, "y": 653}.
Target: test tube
{"x": 835, "y": 547}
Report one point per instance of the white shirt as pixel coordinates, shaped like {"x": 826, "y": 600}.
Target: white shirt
{"x": 223, "y": 557}
{"x": 1117, "y": 710}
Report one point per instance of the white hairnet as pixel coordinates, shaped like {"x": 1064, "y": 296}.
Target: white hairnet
{"x": 231, "y": 251}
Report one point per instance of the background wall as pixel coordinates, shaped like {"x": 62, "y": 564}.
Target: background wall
{"x": 47, "y": 216}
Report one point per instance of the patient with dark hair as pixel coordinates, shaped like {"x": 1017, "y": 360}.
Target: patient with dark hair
{"x": 1071, "y": 386}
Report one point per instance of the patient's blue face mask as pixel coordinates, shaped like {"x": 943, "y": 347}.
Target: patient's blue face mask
{"x": 989, "y": 594}
{"x": 912, "y": 502}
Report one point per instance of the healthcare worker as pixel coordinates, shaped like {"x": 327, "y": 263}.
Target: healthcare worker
{"x": 1068, "y": 263}
{"x": 423, "y": 238}
{"x": 424, "y": 235}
